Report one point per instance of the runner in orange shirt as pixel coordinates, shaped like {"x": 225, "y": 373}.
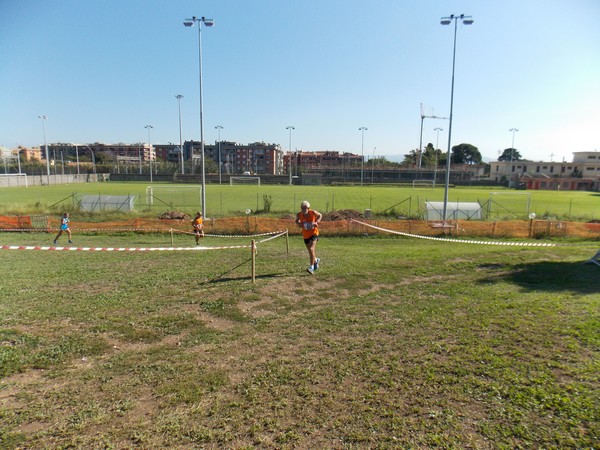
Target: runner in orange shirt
{"x": 308, "y": 219}
{"x": 198, "y": 227}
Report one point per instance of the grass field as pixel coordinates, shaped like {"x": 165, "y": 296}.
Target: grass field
{"x": 394, "y": 343}
{"x": 225, "y": 200}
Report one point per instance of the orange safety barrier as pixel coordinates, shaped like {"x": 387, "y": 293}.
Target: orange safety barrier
{"x": 249, "y": 225}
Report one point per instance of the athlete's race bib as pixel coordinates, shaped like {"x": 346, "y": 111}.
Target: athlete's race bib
{"x": 309, "y": 225}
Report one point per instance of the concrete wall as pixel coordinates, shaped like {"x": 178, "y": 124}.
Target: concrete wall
{"x": 42, "y": 180}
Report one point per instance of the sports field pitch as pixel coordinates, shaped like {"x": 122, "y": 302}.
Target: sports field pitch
{"x": 225, "y": 200}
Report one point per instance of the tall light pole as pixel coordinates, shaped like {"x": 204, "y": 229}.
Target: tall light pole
{"x": 373, "y": 164}
{"x": 207, "y": 23}
{"x": 92, "y": 156}
{"x": 467, "y": 20}
{"x": 179, "y": 97}
{"x": 77, "y": 157}
{"x": 362, "y": 161}
{"x": 512, "y": 151}
{"x": 437, "y": 141}
{"x": 147, "y": 127}
{"x": 290, "y": 128}
{"x": 219, "y": 128}
{"x": 46, "y": 147}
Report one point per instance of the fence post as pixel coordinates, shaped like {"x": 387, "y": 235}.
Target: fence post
{"x": 287, "y": 242}
{"x": 253, "y": 250}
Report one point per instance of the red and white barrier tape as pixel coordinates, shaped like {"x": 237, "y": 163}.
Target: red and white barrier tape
{"x": 118, "y": 249}
{"x": 166, "y": 230}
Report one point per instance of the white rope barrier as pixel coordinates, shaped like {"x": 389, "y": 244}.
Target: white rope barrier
{"x": 463, "y": 241}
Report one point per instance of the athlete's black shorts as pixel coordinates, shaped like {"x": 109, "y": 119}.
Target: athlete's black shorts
{"x": 314, "y": 237}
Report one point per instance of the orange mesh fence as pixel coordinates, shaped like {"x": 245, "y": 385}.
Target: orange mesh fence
{"x": 255, "y": 225}
{"x": 15, "y": 222}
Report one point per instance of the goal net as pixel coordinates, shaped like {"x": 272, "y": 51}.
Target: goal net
{"x": 244, "y": 180}
{"x": 509, "y": 204}
{"x": 423, "y": 183}
{"x": 174, "y": 196}
{"x": 13, "y": 180}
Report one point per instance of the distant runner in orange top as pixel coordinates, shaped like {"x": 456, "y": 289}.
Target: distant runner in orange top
{"x": 198, "y": 227}
{"x": 308, "y": 219}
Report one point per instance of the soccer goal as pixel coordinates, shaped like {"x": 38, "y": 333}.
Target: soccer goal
{"x": 13, "y": 180}
{"x": 174, "y": 196}
{"x": 509, "y": 204}
{"x": 244, "y": 180}
{"x": 424, "y": 183}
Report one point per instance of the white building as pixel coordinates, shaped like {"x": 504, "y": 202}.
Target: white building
{"x": 583, "y": 173}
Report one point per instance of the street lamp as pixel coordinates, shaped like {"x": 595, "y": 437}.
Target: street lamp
{"x": 290, "y": 128}
{"x": 467, "y": 20}
{"x": 46, "y": 147}
{"x": 207, "y": 23}
{"x": 437, "y": 140}
{"x": 219, "y": 128}
{"x": 362, "y": 161}
{"x": 512, "y": 150}
{"x": 147, "y": 127}
{"x": 179, "y": 97}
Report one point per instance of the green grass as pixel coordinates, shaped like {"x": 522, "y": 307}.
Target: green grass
{"x": 225, "y": 200}
{"x": 394, "y": 343}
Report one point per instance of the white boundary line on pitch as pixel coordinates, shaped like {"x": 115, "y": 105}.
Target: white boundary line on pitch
{"x": 464, "y": 241}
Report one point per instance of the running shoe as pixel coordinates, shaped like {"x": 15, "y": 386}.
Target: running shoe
{"x": 317, "y": 261}
{"x": 54, "y": 242}
{"x": 311, "y": 270}
{"x": 70, "y": 242}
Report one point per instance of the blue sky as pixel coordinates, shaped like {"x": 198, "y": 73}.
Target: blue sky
{"x": 101, "y": 70}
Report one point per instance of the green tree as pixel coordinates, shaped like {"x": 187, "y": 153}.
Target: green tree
{"x": 465, "y": 154}
{"x": 411, "y": 158}
{"x": 431, "y": 156}
{"x": 510, "y": 154}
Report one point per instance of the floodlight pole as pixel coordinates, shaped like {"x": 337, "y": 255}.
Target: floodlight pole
{"x": 437, "y": 143}
{"x": 147, "y": 127}
{"x": 219, "y": 128}
{"x": 362, "y": 160}
{"x": 207, "y": 23}
{"x": 290, "y": 128}
{"x": 77, "y": 157}
{"x": 512, "y": 151}
{"x": 179, "y": 97}
{"x": 467, "y": 20}
{"x": 46, "y": 147}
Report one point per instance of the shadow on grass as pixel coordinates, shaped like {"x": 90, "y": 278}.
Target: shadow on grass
{"x": 553, "y": 277}
{"x": 222, "y": 279}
